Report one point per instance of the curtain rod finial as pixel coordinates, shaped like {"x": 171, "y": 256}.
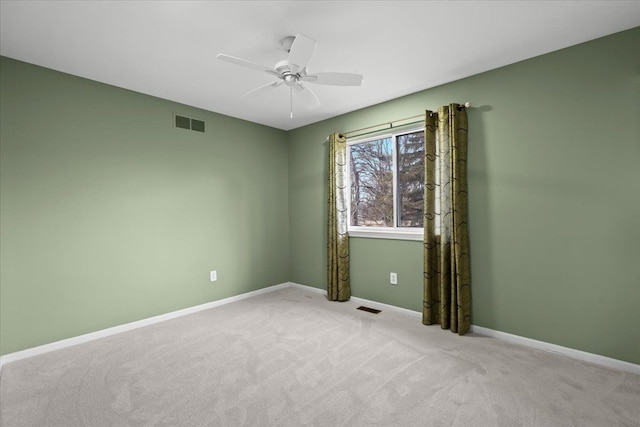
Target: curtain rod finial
{"x": 467, "y": 104}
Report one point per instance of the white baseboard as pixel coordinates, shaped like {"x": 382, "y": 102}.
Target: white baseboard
{"x": 541, "y": 345}
{"x": 308, "y": 288}
{"x": 565, "y": 351}
{"x": 558, "y": 349}
{"x": 34, "y": 351}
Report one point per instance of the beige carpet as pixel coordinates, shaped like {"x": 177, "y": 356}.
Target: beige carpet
{"x": 291, "y": 358}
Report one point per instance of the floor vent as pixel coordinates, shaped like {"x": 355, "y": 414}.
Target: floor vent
{"x": 189, "y": 123}
{"x": 368, "y": 309}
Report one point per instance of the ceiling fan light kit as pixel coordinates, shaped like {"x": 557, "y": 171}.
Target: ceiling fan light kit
{"x": 292, "y": 72}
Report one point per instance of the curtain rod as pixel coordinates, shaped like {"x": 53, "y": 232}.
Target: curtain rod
{"x": 391, "y": 124}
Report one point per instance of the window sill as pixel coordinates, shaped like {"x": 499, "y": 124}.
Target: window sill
{"x": 387, "y": 233}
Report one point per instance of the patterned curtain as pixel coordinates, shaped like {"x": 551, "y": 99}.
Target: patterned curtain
{"x": 447, "y": 280}
{"x": 338, "y": 287}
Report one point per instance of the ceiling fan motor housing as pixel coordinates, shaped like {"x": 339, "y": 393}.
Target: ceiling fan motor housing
{"x": 290, "y": 78}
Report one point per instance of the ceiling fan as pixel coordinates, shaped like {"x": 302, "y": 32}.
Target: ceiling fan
{"x": 292, "y": 72}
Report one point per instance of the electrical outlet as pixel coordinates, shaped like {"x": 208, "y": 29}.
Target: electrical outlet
{"x": 213, "y": 276}
{"x": 393, "y": 278}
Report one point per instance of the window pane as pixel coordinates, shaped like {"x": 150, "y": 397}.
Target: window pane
{"x": 371, "y": 166}
{"x": 411, "y": 179}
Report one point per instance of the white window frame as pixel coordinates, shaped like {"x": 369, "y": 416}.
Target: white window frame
{"x": 397, "y": 233}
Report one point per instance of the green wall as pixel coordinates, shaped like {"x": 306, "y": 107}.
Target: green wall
{"x": 109, "y": 214}
{"x": 554, "y": 180}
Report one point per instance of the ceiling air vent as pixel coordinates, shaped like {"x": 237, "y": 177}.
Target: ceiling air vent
{"x": 188, "y": 123}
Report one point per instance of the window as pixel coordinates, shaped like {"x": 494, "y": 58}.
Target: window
{"x": 386, "y": 186}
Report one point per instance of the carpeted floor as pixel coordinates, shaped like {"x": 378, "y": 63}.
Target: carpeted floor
{"x": 291, "y": 358}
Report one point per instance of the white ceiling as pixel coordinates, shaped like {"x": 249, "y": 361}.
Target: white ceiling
{"x": 168, "y": 48}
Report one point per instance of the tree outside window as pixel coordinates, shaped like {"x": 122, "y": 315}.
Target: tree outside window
{"x": 387, "y": 181}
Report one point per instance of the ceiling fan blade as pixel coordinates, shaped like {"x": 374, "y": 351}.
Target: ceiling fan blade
{"x": 263, "y": 89}
{"x": 247, "y": 64}
{"x": 301, "y": 52}
{"x": 334, "y": 79}
{"x": 307, "y": 97}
